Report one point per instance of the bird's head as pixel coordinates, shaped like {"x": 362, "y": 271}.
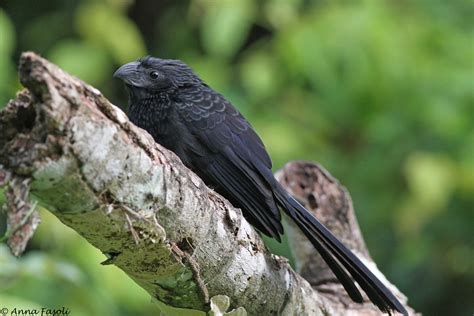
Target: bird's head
{"x": 151, "y": 76}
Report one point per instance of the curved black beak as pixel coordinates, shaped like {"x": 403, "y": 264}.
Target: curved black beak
{"x": 129, "y": 73}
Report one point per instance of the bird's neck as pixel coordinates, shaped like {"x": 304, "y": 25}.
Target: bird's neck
{"x": 152, "y": 113}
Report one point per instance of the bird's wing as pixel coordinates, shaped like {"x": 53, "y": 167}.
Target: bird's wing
{"x": 228, "y": 154}
{"x": 209, "y": 111}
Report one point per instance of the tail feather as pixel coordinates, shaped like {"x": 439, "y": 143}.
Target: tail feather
{"x": 335, "y": 266}
{"x": 340, "y": 259}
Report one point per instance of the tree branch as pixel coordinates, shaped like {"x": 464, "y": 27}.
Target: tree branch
{"x": 64, "y": 145}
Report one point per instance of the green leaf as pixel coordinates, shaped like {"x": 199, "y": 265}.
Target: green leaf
{"x": 88, "y": 62}
{"x": 430, "y": 179}
{"x": 225, "y": 26}
{"x": 259, "y": 76}
{"x": 110, "y": 28}
{"x": 7, "y": 34}
{"x": 281, "y": 12}
{"x": 7, "y": 71}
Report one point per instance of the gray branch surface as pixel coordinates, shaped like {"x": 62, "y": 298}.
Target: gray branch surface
{"x": 65, "y": 146}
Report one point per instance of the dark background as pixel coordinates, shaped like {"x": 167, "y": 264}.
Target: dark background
{"x": 379, "y": 92}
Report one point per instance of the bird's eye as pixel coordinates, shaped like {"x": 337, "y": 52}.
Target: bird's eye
{"x": 154, "y": 75}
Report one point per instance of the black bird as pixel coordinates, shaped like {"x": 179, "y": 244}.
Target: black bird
{"x": 213, "y": 139}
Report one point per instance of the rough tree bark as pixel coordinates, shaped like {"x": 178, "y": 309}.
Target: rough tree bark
{"x": 65, "y": 146}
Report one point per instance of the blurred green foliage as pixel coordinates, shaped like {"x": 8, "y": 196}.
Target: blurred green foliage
{"x": 379, "y": 92}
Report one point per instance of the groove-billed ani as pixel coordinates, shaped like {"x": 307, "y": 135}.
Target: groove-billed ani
{"x": 213, "y": 139}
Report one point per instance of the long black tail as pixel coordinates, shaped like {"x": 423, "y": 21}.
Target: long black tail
{"x": 341, "y": 260}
